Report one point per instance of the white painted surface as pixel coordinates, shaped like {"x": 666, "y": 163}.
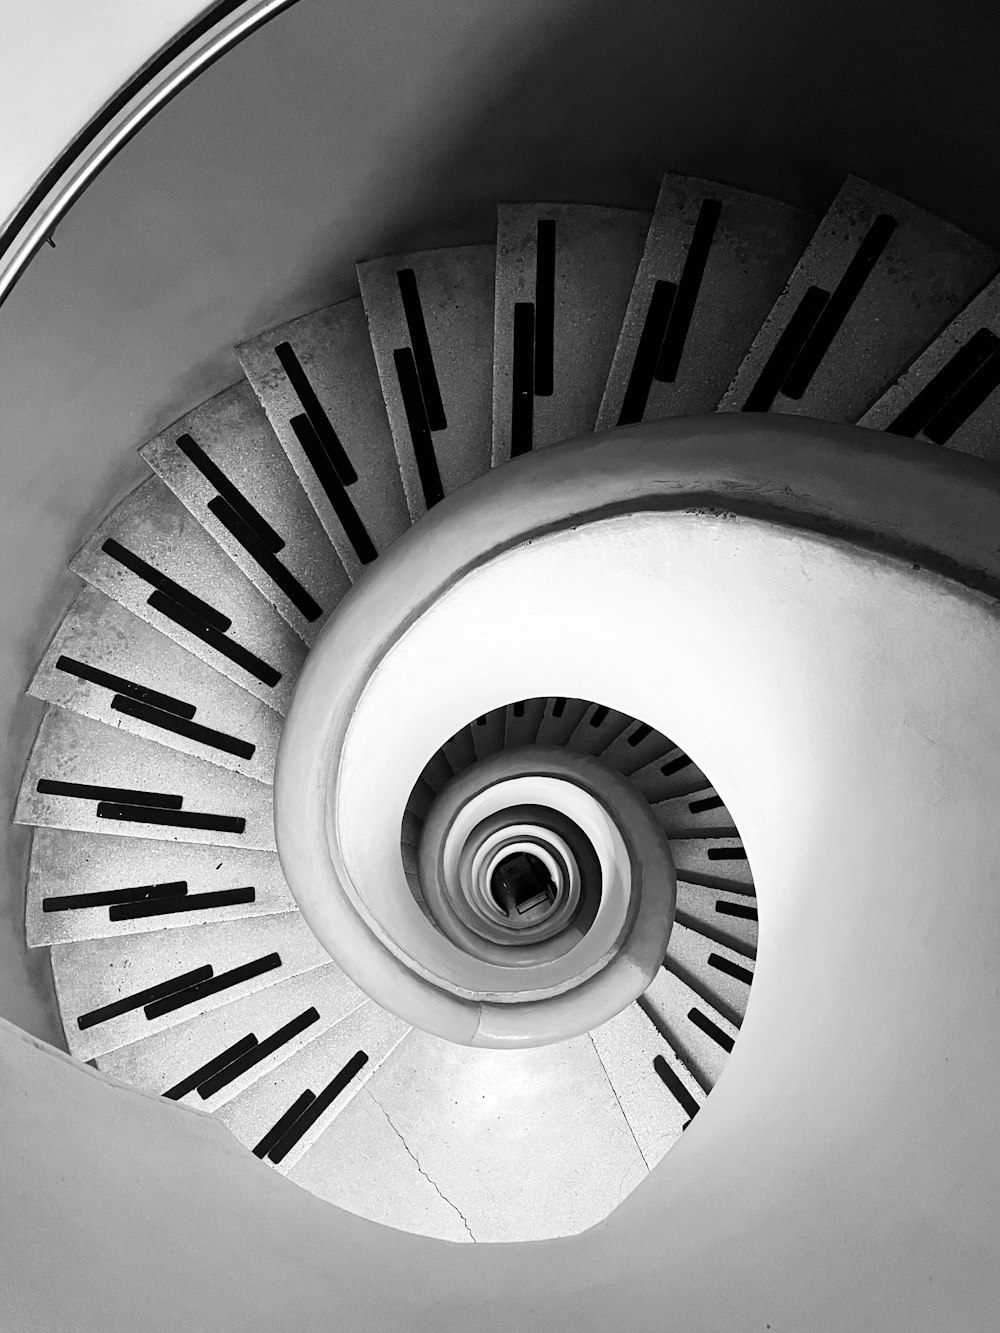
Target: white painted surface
{"x": 521, "y": 1145}
{"x": 844, "y": 1174}
{"x": 59, "y": 63}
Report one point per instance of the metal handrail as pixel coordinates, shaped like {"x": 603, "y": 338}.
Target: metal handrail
{"x": 182, "y": 59}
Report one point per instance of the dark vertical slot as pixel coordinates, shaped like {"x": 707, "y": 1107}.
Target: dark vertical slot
{"x": 731, "y": 969}
{"x": 259, "y": 551}
{"x": 150, "y": 995}
{"x": 837, "y": 308}
{"x": 120, "y": 685}
{"x": 639, "y": 735}
{"x": 545, "y": 307}
{"x": 785, "y": 350}
{"x": 242, "y": 657}
{"x": 599, "y": 715}
{"x": 88, "y": 791}
{"x": 283, "y": 1123}
{"x": 687, "y": 290}
{"x": 215, "y": 1082}
{"x": 423, "y": 360}
{"x": 522, "y": 408}
{"x": 675, "y": 765}
{"x": 336, "y": 493}
{"x": 211, "y": 986}
{"x": 70, "y": 902}
{"x": 676, "y": 1088}
{"x": 973, "y": 393}
{"x": 706, "y": 803}
{"x": 315, "y": 1109}
{"x": 166, "y": 586}
{"x": 327, "y": 438}
{"x": 559, "y": 707}
{"x": 942, "y": 386}
{"x": 137, "y": 814}
{"x": 230, "y": 492}
{"x": 218, "y": 740}
{"x": 419, "y": 428}
{"x": 196, "y": 902}
{"x": 736, "y": 909}
{"x": 647, "y": 353}
{"x": 710, "y": 1029}
{"x": 213, "y": 1066}
{"x": 519, "y": 709}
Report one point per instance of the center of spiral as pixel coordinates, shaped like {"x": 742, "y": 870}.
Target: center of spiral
{"x": 522, "y": 883}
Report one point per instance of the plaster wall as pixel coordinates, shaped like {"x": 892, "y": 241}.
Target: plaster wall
{"x": 844, "y": 1174}
{"x": 59, "y": 64}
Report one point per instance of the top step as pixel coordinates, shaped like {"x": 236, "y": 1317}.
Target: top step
{"x": 716, "y": 260}
{"x": 317, "y": 380}
{"x": 223, "y": 463}
{"x": 877, "y": 282}
{"x": 949, "y": 394}
{"x": 430, "y": 317}
{"x": 564, "y": 275}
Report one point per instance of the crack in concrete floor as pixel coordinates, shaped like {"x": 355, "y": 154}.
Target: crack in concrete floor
{"x": 622, "y": 1109}
{"x": 416, "y": 1162}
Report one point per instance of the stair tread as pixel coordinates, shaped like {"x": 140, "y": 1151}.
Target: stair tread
{"x": 166, "y": 1060}
{"x": 722, "y": 915}
{"x": 446, "y": 325}
{"x": 895, "y": 275}
{"x": 657, "y": 1112}
{"x": 969, "y": 423}
{"x": 694, "y": 814}
{"x": 141, "y": 788}
{"x": 716, "y": 861}
{"x": 522, "y": 722}
{"x": 92, "y": 974}
{"x": 225, "y": 455}
{"x": 66, "y": 864}
{"x": 460, "y": 750}
{"x": 597, "y": 729}
{"x": 152, "y": 524}
{"x": 583, "y": 298}
{"x": 702, "y": 962}
{"x": 362, "y": 505}
{"x": 254, "y": 1112}
{"x": 668, "y": 777}
{"x": 670, "y": 1001}
{"x": 635, "y": 747}
{"x": 734, "y": 251}
{"x": 97, "y": 634}
{"x": 488, "y": 732}
{"x": 560, "y": 719}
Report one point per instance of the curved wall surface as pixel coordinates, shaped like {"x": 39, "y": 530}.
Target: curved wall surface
{"x": 844, "y": 1173}
{"x": 59, "y": 64}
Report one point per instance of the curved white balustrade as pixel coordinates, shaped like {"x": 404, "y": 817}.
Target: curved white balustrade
{"x": 652, "y": 604}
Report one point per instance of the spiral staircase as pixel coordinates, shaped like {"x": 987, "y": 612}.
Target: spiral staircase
{"x": 312, "y": 852}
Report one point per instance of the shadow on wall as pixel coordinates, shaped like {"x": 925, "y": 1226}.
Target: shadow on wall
{"x": 779, "y": 96}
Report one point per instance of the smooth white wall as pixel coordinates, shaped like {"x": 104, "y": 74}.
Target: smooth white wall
{"x": 844, "y": 1174}
{"x": 60, "y": 62}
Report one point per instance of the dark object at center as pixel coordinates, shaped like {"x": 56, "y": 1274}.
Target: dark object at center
{"x": 521, "y": 881}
